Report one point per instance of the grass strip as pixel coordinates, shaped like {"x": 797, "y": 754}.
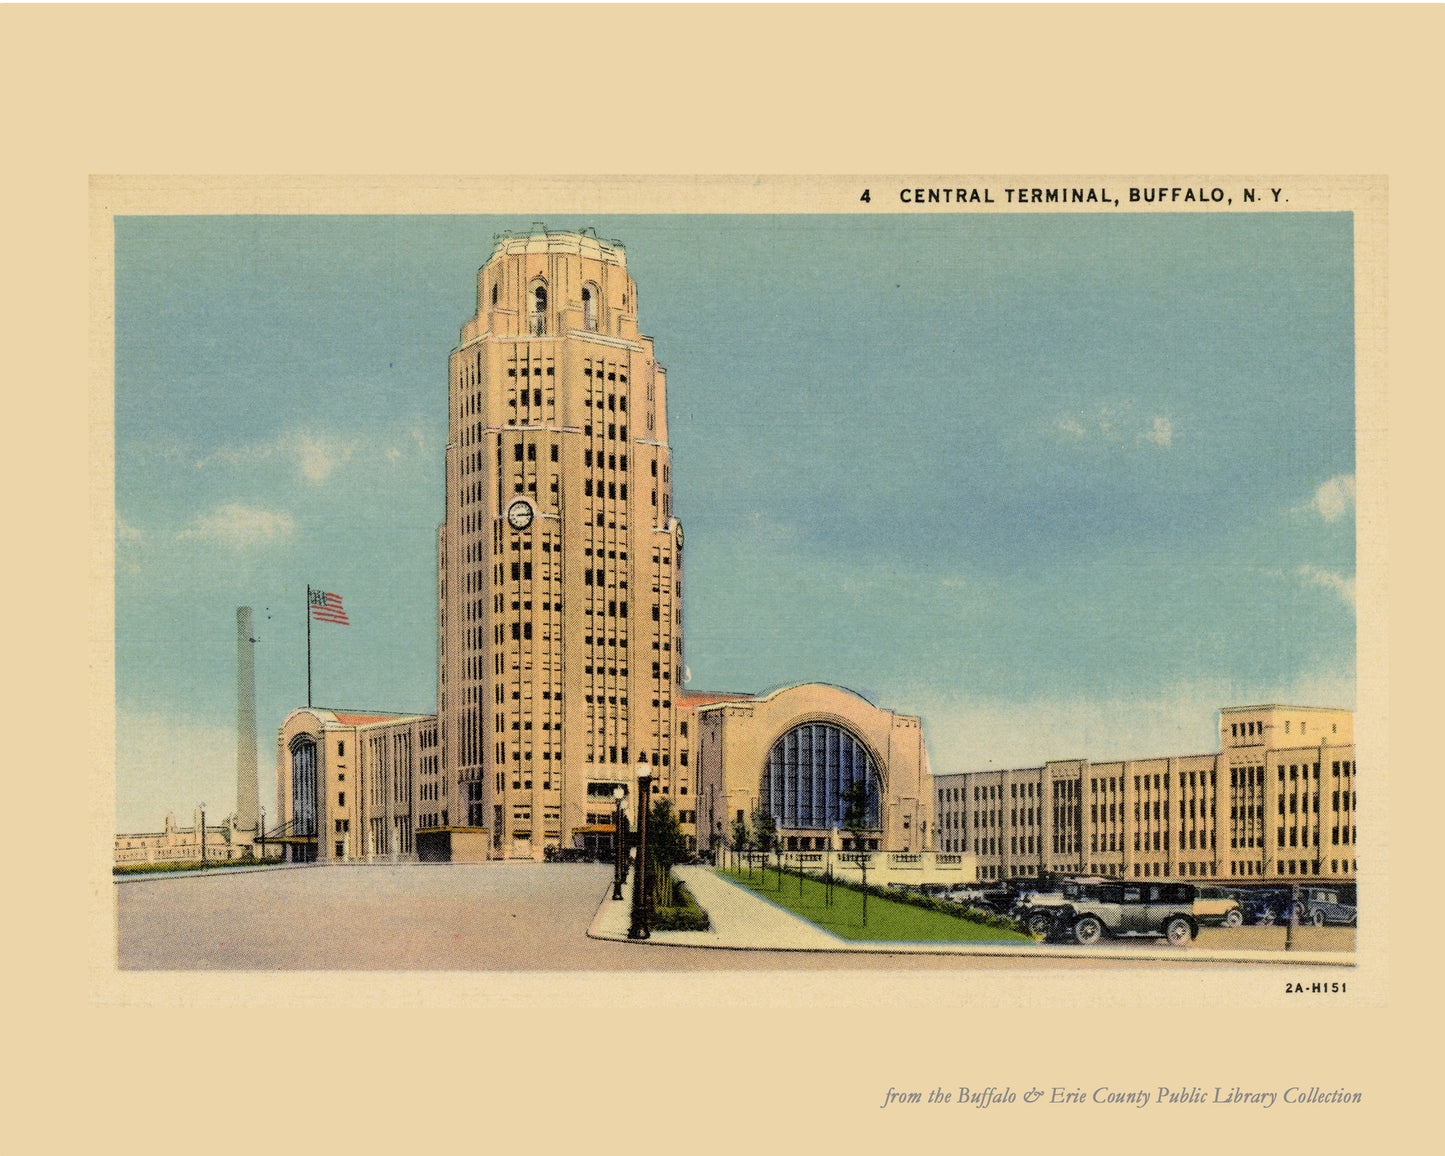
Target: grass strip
{"x": 888, "y": 920}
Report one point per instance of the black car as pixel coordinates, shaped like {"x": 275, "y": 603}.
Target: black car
{"x": 1263, "y": 906}
{"x": 1330, "y": 903}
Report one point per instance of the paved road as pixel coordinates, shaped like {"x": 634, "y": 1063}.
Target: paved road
{"x": 488, "y": 917}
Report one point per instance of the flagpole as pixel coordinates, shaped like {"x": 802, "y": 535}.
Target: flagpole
{"x": 308, "y": 646}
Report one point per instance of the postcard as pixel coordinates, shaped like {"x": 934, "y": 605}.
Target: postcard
{"x": 1019, "y": 570}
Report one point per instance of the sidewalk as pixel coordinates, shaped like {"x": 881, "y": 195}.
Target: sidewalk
{"x": 741, "y": 920}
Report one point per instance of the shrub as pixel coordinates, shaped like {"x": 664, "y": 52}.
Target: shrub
{"x": 683, "y": 915}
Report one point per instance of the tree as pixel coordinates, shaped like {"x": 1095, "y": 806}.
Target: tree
{"x": 666, "y": 846}
{"x": 855, "y": 821}
{"x": 766, "y": 830}
{"x": 739, "y": 834}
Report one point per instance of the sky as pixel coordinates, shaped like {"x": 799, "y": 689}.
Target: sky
{"x": 1061, "y": 484}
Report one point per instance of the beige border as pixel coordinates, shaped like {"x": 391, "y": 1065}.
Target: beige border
{"x": 1294, "y": 90}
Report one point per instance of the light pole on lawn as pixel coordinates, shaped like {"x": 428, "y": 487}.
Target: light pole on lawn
{"x": 641, "y": 912}
{"x": 203, "y": 834}
{"x": 618, "y": 853}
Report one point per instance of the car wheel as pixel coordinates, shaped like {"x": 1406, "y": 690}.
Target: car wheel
{"x": 1298, "y": 911}
{"x": 1088, "y": 930}
{"x": 1039, "y": 924}
{"x": 1178, "y": 931}
{"x": 1317, "y": 917}
{"x": 1266, "y": 917}
{"x": 1234, "y": 917}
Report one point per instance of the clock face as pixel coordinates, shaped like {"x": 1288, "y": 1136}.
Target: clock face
{"x": 519, "y": 515}
{"x": 679, "y": 535}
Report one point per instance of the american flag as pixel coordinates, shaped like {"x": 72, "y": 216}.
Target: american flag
{"x": 327, "y": 608}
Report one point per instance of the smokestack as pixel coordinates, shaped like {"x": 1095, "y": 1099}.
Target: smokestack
{"x": 247, "y": 801}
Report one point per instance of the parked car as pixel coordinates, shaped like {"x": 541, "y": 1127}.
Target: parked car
{"x": 1322, "y": 905}
{"x": 1215, "y": 907}
{"x": 1003, "y": 896}
{"x": 1263, "y": 907}
{"x": 1037, "y": 909}
{"x": 1092, "y": 911}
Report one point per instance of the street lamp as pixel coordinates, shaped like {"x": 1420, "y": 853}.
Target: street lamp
{"x": 641, "y": 912}
{"x": 203, "y": 834}
{"x": 617, "y": 858}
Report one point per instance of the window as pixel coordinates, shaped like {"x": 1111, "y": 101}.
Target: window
{"x": 807, "y": 772}
{"x": 589, "y": 307}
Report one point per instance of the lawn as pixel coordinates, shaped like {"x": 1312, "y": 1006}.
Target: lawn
{"x": 888, "y": 921}
{"x": 210, "y": 865}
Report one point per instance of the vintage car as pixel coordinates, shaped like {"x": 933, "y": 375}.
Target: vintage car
{"x": 1037, "y": 908}
{"x": 1262, "y": 907}
{"x": 1322, "y": 905}
{"x": 1215, "y": 907}
{"x": 1090, "y": 911}
{"x": 1001, "y": 896}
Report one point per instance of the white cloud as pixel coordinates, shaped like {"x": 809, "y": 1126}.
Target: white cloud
{"x": 1112, "y": 425}
{"x": 317, "y": 456}
{"x": 236, "y": 526}
{"x": 1335, "y": 497}
{"x": 125, "y": 532}
{"x": 1340, "y": 584}
{"x": 1162, "y": 434}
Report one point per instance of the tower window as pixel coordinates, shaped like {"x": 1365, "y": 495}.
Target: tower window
{"x": 589, "y": 307}
{"x": 539, "y": 309}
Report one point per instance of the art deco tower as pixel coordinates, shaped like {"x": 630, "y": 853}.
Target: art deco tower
{"x": 560, "y": 576}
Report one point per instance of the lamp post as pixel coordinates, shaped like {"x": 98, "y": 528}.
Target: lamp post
{"x": 203, "y": 834}
{"x": 617, "y": 870}
{"x": 641, "y": 913}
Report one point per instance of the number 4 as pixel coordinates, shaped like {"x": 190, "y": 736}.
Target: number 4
{"x": 867, "y": 197}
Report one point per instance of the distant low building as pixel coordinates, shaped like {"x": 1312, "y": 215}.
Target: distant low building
{"x": 223, "y": 842}
{"x": 1276, "y": 802}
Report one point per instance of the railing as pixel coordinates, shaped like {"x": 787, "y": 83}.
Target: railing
{"x": 911, "y": 868}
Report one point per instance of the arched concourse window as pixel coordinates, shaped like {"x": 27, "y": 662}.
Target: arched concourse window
{"x": 807, "y": 772}
{"x": 303, "y": 786}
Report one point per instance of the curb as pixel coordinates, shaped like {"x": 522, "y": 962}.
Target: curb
{"x": 994, "y": 950}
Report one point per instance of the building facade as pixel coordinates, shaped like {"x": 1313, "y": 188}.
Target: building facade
{"x": 353, "y": 786}
{"x": 1276, "y": 802}
{"x": 560, "y": 560}
{"x": 793, "y": 752}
